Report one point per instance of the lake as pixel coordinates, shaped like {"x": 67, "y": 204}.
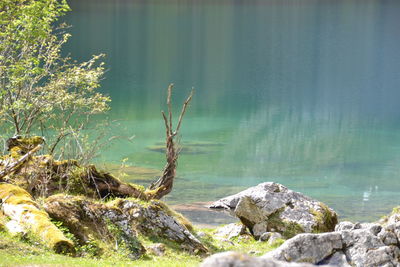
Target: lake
{"x": 302, "y": 92}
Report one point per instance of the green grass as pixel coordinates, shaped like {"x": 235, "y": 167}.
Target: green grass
{"x": 16, "y": 251}
{"x": 7, "y": 259}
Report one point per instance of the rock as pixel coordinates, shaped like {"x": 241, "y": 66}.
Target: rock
{"x": 361, "y": 245}
{"x": 157, "y": 249}
{"x": 265, "y": 236}
{"x": 235, "y": 259}
{"x": 364, "y": 247}
{"x": 311, "y": 248}
{"x": 273, "y": 207}
{"x": 232, "y": 259}
{"x": 271, "y": 237}
{"x": 346, "y": 225}
{"x": 230, "y": 231}
{"x": 388, "y": 237}
{"x": 337, "y": 259}
{"x": 87, "y": 218}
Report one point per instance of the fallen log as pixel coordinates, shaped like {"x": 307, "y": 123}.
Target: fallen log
{"x": 26, "y": 217}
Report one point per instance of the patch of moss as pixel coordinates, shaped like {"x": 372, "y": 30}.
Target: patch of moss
{"x": 292, "y": 229}
{"x": 326, "y": 219}
{"x": 126, "y": 244}
{"x": 75, "y": 184}
{"x": 19, "y": 146}
{"x": 3, "y": 221}
{"x": 36, "y": 222}
{"x": 396, "y": 210}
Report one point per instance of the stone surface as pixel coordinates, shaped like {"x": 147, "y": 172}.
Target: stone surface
{"x": 346, "y": 225}
{"x": 361, "y": 245}
{"x": 235, "y": 259}
{"x": 274, "y": 237}
{"x": 271, "y": 207}
{"x": 157, "y": 249}
{"x": 87, "y": 218}
{"x": 311, "y": 248}
{"x": 271, "y": 237}
{"x": 230, "y": 231}
{"x": 337, "y": 259}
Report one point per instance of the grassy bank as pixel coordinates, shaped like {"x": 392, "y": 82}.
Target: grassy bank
{"x": 17, "y": 251}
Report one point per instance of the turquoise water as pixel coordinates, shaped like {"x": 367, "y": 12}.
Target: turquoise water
{"x": 302, "y": 92}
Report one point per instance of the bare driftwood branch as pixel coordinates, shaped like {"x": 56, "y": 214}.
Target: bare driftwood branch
{"x": 165, "y": 183}
{"x": 15, "y": 165}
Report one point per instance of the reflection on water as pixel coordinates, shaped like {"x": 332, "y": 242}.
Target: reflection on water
{"x": 302, "y": 92}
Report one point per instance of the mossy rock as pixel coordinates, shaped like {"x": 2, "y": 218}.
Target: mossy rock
{"x": 124, "y": 220}
{"x": 325, "y": 218}
{"x": 272, "y": 207}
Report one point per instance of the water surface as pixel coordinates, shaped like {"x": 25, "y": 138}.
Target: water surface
{"x": 301, "y": 92}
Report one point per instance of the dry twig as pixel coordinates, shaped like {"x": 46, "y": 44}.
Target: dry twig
{"x": 9, "y": 168}
{"x": 165, "y": 183}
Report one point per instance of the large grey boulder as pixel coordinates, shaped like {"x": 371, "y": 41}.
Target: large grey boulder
{"x": 235, "y": 259}
{"x": 271, "y": 207}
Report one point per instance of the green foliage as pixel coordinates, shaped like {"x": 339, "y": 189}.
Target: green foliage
{"x": 90, "y": 248}
{"x": 124, "y": 244}
{"x": 40, "y": 90}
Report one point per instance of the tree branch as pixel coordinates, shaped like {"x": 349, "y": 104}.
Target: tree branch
{"x": 13, "y": 166}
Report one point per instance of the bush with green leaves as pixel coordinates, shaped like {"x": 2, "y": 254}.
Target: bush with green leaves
{"x": 41, "y": 91}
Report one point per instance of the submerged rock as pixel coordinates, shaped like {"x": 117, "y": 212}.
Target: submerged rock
{"x": 198, "y": 147}
{"x": 271, "y": 207}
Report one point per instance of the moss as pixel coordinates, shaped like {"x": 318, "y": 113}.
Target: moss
{"x": 151, "y": 194}
{"x": 75, "y": 184}
{"x": 15, "y": 195}
{"x": 287, "y": 228}
{"x": 396, "y": 210}
{"x": 19, "y": 146}
{"x": 138, "y": 187}
{"x": 326, "y": 219}
{"x": 3, "y": 221}
{"x": 292, "y": 229}
{"x": 35, "y": 221}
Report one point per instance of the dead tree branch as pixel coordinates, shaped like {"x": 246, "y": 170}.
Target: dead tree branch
{"x": 164, "y": 184}
{"x": 9, "y": 168}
